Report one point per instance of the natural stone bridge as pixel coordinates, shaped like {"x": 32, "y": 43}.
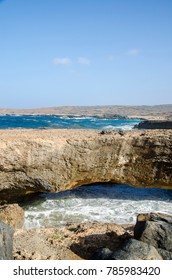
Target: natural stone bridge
{"x": 54, "y": 160}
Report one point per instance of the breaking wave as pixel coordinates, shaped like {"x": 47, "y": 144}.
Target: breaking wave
{"x": 97, "y": 203}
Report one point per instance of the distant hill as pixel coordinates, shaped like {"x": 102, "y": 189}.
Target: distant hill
{"x": 145, "y": 112}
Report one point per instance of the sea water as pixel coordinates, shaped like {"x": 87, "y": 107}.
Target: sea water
{"x": 97, "y": 203}
{"x": 73, "y": 122}
{"x": 104, "y": 203}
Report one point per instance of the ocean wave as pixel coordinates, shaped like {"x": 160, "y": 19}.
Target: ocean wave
{"x": 120, "y": 127}
{"x": 82, "y": 122}
{"x": 109, "y": 127}
{"x": 127, "y": 127}
{"x": 64, "y": 118}
{"x": 76, "y": 118}
{"x": 114, "y": 204}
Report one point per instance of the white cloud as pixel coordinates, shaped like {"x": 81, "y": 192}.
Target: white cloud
{"x": 62, "y": 61}
{"x": 134, "y": 52}
{"x": 84, "y": 60}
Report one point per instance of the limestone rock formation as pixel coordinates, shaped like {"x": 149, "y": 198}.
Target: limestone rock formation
{"x": 55, "y": 160}
{"x": 6, "y": 242}
{"x": 74, "y": 241}
{"x": 13, "y": 215}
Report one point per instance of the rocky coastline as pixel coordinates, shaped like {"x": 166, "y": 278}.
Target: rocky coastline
{"x": 157, "y": 112}
{"x": 34, "y": 161}
{"x": 149, "y": 239}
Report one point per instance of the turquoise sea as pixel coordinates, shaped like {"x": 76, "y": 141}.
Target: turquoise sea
{"x": 75, "y": 122}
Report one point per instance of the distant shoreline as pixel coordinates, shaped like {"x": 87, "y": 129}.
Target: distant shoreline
{"x": 157, "y": 112}
{"x": 109, "y": 116}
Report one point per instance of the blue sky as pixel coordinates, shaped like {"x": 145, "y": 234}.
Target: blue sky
{"x": 71, "y": 52}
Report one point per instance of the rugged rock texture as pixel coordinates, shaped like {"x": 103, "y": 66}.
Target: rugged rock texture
{"x": 155, "y": 229}
{"x": 132, "y": 249}
{"x": 12, "y": 215}
{"x": 153, "y": 241}
{"x": 84, "y": 241}
{"x": 6, "y": 242}
{"x": 73, "y": 242}
{"x": 154, "y": 125}
{"x": 102, "y": 254}
{"x": 56, "y": 160}
{"x": 97, "y": 241}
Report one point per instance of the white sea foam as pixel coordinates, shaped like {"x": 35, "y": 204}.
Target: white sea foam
{"x": 93, "y": 210}
{"x": 82, "y": 118}
{"x": 111, "y": 205}
{"x": 75, "y": 118}
{"x": 65, "y": 122}
{"x": 119, "y": 127}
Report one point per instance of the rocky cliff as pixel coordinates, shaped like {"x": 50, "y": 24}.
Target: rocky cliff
{"x": 55, "y": 160}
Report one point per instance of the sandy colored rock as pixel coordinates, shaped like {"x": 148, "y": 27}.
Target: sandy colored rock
{"x": 73, "y": 242}
{"x": 13, "y": 215}
{"x": 56, "y": 160}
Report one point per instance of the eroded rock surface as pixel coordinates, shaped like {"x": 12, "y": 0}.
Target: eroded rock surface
{"x": 55, "y": 160}
{"x": 6, "y": 242}
{"x": 75, "y": 241}
{"x": 13, "y": 215}
{"x": 96, "y": 241}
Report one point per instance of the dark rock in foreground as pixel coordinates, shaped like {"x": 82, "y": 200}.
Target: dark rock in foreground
{"x": 155, "y": 229}
{"x": 166, "y": 255}
{"x": 154, "y": 125}
{"x": 6, "y": 242}
{"x": 132, "y": 249}
{"x": 153, "y": 241}
{"x": 136, "y": 250}
{"x": 102, "y": 254}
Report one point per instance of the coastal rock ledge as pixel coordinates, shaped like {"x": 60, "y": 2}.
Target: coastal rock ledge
{"x": 55, "y": 160}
